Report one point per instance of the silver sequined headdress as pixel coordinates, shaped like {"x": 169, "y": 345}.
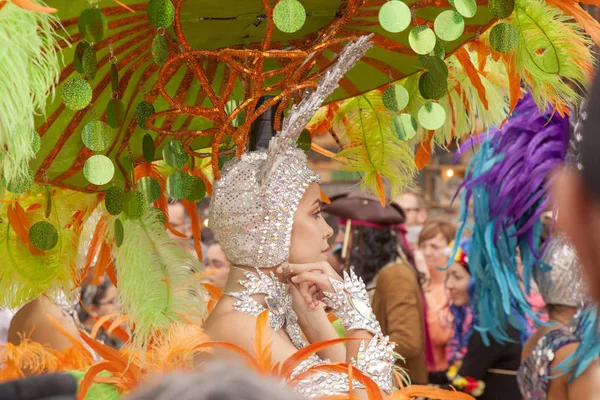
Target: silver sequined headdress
{"x": 253, "y": 205}
{"x": 559, "y": 279}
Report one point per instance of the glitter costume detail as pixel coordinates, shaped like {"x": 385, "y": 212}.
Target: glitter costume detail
{"x": 535, "y": 374}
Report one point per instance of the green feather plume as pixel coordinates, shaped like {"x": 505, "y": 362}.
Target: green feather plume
{"x": 29, "y": 70}
{"x": 373, "y": 148}
{"x": 24, "y": 276}
{"x": 157, "y": 279}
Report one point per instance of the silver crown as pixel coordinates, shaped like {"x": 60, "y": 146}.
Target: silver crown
{"x": 559, "y": 277}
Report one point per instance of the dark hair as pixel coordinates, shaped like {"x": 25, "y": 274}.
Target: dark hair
{"x": 373, "y": 249}
{"x": 88, "y": 298}
{"x": 207, "y": 237}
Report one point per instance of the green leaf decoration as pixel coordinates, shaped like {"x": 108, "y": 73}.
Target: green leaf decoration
{"x": 394, "y": 16}
{"x": 160, "y": 50}
{"x": 421, "y": 39}
{"x": 431, "y": 86}
{"x": 503, "y": 37}
{"x": 119, "y": 232}
{"x": 142, "y": 112}
{"x": 97, "y": 136}
{"x": 98, "y": 170}
{"x": 92, "y": 25}
{"x": 305, "y": 141}
{"x": 174, "y": 154}
{"x": 501, "y": 8}
{"x": 161, "y": 13}
{"x": 114, "y": 77}
{"x": 150, "y": 188}
{"x": 179, "y": 185}
{"x": 198, "y": 192}
{"x": 115, "y": 113}
{"x": 135, "y": 204}
{"x": 114, "y": 200}
{"x": 90, "y": 64}
{"x": 395, "y": 98}
{"x": 20, "y": 183}
{"x": 289, "y": 16}
{"x": 78, "y": 56}
{"x": 435, "y": 65}
{"x": 43, "y": 235}
{"x": 77, "y": 93}
{"x": 148, "y": 148}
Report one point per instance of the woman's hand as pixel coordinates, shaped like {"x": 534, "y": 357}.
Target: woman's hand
{"x": 312, "y": 280}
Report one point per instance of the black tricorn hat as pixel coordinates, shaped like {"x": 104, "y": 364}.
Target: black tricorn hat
{"x": 362, "y": 207}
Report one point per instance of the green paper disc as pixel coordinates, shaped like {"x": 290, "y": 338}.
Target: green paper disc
{"x": 115, "y": 113}
{"x": 395, "y": 98}
{"x": 161, "y": 13}
{"x": 150, "y": 188}
{"x": 43, "y": 235}
{"x": 78, "y": 56}
{"x": 36, "y": 142}
{"x": 435, "y": 65}
{"x": 503, "y": 37}
{"x": 198, "y": 191}
{"x": 114, "y": 77}
{"x": 174, "y": 154}
{"x": 432, "y": 116}
{"x": 239, "y": 119}
{"x": 92, "y": 25}
{"x": 289, "y": 16}
{"x": 304, "y": 141}
{"x": 20, "y": 184}
{"x": 439, "y": 50}
{"x": 449, "y": 25}
{"x": 119, "y": 232}
{"x": 114, "y": 200}
{"x": 405, "y": 126}
{"x": 98, "y": 170}
{"x": 394, "y": 16}
{"x": 142, "y": 112}
{"x": 421, "y": 39}
{"x": 135, "y": 204}
{"x": 466, "y": 8}
{"x": 76, "y": 93}
{"x": 148, "y": 148}
{"x": 179, "y": 185}
{"x": 89, "y": 63}
{"x": 223, "y": 160}
{"x": 160, "y": 50}
{"x": 501, "y": 8}
{"x": 97, "y": 136}
{"x": 431, "y": 86}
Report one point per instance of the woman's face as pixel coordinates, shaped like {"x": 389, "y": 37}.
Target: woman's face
{"x": 435, "y": 251}
{"x": 457, "y": 284}
{"x": 310, "y": 231}
{"x": 217, "y": 260}
{"x": 107, "y": 305}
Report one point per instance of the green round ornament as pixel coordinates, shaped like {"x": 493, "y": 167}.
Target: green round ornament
{"x": 421, "y": 39}
{"x": 466, "y": 8}
{"x": 449, "y": 25}
{"x": 432, "y": 116}
{"x": 98, "y": 170}
{"x": 119, "y": 232}
{"x": 435, "y": 65}
{"x": 160, "y": 50}
{"x": 439, "y": 50}
{"x": 503, "y": 37}
{"x": 230, "y": 107}
{"x": 148, "y": 148}
{"x": 305, "y": 141}
{"x": 174, "y": 154}
{"x": 78, "y": 55}
{"x": 405, "y": 126}
{"x": 19, "y": 184}
{"x": 97, "y": 136}
{"x": 135, "y": 204}
{"x": 76, "y": 93}
{"x": 115, "y": 113}
{"x": 198, "y": 192}
{"x": 431, "y": 86}
{"x": 150, "y": 188}
{"x": 395, "y": 98}
{"x": 114, "y": 200}
{"x": 179, "y": 185}
{"x": 92, "y": 25}
{"x": 501, "y": 8}
{"x": 142, "y": 112}
{"x": 43, "y": 235}
{"x": 394, "y": 16}
{"x": 161, "y": 13}
{"x": 89, "y": 63}
{"x": 289, "y": 16}
{"x": 36, "y": 142}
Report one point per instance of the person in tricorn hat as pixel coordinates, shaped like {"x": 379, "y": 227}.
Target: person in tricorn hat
{"x": 370, "y": 237}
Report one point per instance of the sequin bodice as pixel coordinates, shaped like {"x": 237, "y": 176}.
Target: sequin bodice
{"x": 535, "y": 374}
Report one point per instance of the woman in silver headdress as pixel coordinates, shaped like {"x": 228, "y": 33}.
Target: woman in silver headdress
{"x": 265, "y": 213}
{"x": 549, "y": 352}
